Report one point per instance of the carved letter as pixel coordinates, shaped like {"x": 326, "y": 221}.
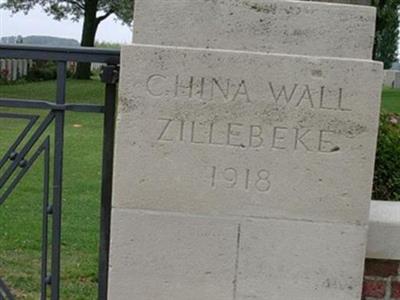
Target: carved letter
{"x": 321, "y": 105}
{"x": 306, "y": 94}
{"x": 182, "y": 131}
{"x": 322, "y": 141}
{"x": 276, "y": 137}
{"x": 242, "y": 93}
{"x": 224, "y": 93}
{"x": 232, "y": 133}
{"x": 188, "y": 87}
{"x": 151, "y": 81}
{"x": 341, "y": 100}
{"x": 202, "y": 83}
{"x": 192, "y": 139}
{"x": 299, "y": 139}
{"x": 339, "y": 103}
{"x": 283, "y": 92}
{"x": 165, "y": 128}
{"x": 255, "y": 136}
{"x": 211, "y": 136}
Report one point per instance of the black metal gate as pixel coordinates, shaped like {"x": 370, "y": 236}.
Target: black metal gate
{"x": 33, "y": 142}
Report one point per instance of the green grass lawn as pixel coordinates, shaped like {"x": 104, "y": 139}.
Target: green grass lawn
{"x": 20, "y": 216}
{"x": 391, "y": 100}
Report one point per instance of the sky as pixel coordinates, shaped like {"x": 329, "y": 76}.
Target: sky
{"x": 38, "y": 23}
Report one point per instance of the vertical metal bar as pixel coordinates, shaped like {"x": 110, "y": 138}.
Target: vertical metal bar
{"x": 4, "y": 292}
{"x": 107, "y": 177}
{"x": 45, "y": 223}
{"x": 57, "y": 181}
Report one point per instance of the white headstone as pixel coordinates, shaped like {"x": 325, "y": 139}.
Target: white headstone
{"x": 9, "y": 68}
{"x": 3, "y": 65}
{"x": 392, "y": 79}
{"x": 242, "y": 175}
{"x": 24, "y": 67}
{"x": 14, "y": 68}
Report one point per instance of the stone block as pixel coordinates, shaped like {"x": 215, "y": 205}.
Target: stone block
{"x": 242, "y": 134}
{"x": 291, "y": 27}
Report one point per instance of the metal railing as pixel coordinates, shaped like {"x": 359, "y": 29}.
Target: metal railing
{"x": 24, "y": 152}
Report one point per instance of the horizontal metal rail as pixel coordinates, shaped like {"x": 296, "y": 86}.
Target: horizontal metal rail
{"x": 78, "y": 54}
{"x": 37, "y": 104}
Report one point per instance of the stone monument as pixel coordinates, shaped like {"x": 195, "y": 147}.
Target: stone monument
{"x": 245, "y": 151}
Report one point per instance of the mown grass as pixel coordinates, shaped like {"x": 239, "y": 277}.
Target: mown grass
{"x": 391, "y": 100}
{"x": 21, "y": 215}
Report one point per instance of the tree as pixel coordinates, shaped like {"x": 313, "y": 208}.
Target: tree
{"x": 93, "y": 13}
{"x": 387, "y": 31}
{"x": 20, "y": 40}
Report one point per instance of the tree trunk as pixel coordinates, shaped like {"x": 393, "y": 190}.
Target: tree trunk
{"x": 378, "y": 28}
{"x": 90, "y": 25}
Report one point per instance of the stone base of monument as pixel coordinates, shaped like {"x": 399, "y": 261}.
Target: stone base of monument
{"x": 170, "y": 256}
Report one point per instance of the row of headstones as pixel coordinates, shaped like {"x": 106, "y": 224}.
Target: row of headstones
{"x": 14, "y": 69}
{"x": 245, "y": 151}
{"x": 392, "y": 79}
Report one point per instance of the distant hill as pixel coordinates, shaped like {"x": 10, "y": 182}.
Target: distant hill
{"x": 40, "y": 41}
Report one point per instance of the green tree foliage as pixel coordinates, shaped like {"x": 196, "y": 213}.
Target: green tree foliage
{"x": 93, "y": 13}
{"x": 387, "y": 31}
{"x": 107, "y": 45}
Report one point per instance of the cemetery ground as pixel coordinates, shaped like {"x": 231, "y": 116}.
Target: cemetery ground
{"x": 21, "y": 215}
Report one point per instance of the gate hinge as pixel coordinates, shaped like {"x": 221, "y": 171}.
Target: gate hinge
{"x": 110, "y": 74}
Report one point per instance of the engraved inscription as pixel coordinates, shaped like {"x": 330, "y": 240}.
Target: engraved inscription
{"x": 299, "y": 95}
{"x": 246, "y": 179}
{"x": 265, "y": 136}
{"x": 227, "y": 90}
{"x": 244, "y": 136}
{"x": 211, "y": 88}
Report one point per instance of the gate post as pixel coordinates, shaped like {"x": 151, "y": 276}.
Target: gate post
{"x": 58, "y": 180}
{"x": 110, "y": 76}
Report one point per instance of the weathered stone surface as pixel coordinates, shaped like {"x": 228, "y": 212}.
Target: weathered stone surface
{"x": 291, "y": 27}
{"x": 283, "y": 260}
{"x": 246, "y": 134}
{"x": 244, "y": 175}
{"x": 167, "y": 256}
{"x": 384, "y": 230}
{"x": 353, "y": 2}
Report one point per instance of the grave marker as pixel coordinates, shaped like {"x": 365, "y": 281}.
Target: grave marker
{"x": 242, "y": 175}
